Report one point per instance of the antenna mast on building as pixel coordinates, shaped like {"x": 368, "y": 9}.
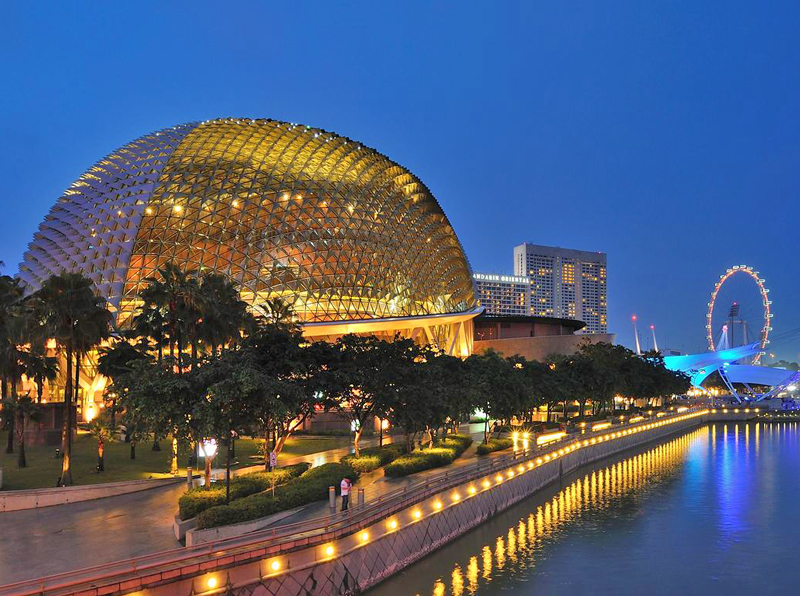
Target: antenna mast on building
{"x": 655, "y": 343}
{"x": 636, "y": 336}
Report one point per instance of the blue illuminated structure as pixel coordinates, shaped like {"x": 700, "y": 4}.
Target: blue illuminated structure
{"x": 700, "y": 366}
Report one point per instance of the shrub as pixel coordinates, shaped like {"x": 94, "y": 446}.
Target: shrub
{"x": 494, "y": 445}
{"x": 197, "y": 500}
{"x": 373, "y": 458}
{"x": 444, "y": 452}
{"x": 310, "y": 486}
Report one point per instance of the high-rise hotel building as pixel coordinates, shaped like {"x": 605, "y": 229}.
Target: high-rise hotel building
{"x": 503, "y": 294}
{"x": 565, "y": 283}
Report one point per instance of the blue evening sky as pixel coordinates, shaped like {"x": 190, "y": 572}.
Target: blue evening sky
{"x": 663, "y": 133}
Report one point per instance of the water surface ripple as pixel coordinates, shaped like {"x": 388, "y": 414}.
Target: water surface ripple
{"x": 713, "y": 511}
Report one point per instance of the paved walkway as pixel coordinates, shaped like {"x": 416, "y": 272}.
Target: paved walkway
{"x": 40, "y": 542}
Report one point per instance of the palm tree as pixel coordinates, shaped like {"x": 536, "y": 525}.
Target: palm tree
{"x": 224, "y": 313}
{"x": 174, "y": 293}
{"x": 114, "y": 361}
{"x": 280, "y": 314}
{"x": 25, "y": 409}
{"x": 150, "y": 323}
{"x": 78, "y": 320}
{"x": 102, "y": 431}
{"x": 10, "y": 295}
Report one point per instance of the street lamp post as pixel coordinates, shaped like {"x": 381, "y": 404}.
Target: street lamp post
{"x": 208, "y": 449}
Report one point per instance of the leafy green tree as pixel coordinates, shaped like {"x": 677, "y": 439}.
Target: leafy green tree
{"x": 159, "y": 400}
{"x": 361, "y": 378}
{"x": 500, "y": 386}
{"x": 413, "y": 397}
{"x": 292, "y": 366}
{"x": 236, "y": 392}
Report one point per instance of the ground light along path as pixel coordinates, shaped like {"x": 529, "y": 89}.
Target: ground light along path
{"x": 702, "y": 513}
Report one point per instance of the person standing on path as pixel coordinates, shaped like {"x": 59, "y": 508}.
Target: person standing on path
{"x": 345, "y": 487}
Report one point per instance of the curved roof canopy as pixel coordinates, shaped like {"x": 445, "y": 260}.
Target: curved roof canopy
{"x": 700, "y": 366}
{"x": 332, "y": 227}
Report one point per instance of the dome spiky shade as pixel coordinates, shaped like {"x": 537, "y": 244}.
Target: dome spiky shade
{"x": 334, "y": 228}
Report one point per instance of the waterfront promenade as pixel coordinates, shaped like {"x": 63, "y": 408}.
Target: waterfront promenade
{"x": 74, "y": 536}
{"x": 361, "y": 544}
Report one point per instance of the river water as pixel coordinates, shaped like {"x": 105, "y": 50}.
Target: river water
{"x": 713, "y": 511}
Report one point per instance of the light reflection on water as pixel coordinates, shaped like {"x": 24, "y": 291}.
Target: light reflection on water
{"x": 700, "y": 512}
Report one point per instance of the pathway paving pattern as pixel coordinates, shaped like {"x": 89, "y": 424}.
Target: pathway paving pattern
{"x": 50, "y": 540}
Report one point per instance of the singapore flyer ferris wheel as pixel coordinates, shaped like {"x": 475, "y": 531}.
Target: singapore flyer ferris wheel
{"x": 726, "y": 331}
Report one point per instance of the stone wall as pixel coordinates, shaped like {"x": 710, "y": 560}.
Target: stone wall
{"x": 538, "y": 348}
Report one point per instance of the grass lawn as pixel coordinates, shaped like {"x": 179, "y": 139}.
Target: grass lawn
{"x": 249, "y": 451}
{"x": 43, "y": 469}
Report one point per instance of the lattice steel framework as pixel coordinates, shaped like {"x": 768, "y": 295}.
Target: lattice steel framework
{"x": 336, "y": 229}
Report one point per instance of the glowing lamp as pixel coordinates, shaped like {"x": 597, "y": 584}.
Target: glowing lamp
{"x": 329, "y": 551}
{"x": 211, "y": 582}
{"x": 275, "y": 565}
{"x": 208, "y": 448}
{"x": 549, "y": 437}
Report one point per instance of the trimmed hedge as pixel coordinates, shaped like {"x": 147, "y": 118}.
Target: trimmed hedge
{"x": 494, "y": 445}
{"x": 197, "y": 500}
{"x": 373, "y": 458}
{"x": 444, "y": 452}
{"x": 309, "y": 487}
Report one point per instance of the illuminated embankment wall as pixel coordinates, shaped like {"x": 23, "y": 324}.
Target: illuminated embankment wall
{"x": 365, "y": 557}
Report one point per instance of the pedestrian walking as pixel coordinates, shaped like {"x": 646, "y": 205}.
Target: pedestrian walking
{"x": 345, "y": 487}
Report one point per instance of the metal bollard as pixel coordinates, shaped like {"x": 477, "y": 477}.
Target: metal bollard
{"x": 189, "y": 476}
{"x": 360, "y": 497}
{"x": 1, "y": 477}
{"x": 332, "y": 498}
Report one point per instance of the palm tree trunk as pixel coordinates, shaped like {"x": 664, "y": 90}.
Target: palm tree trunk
{"x": 77, "y": 383}
{"x": 11, "y": 431}
{"x": 228, "y": 472}
{"x": 180, "y": 351}
{"x": 101, "y": 455}
{"x": 173, "y": 468}
{"x": 39, "y": 388}
{"x": 66, "y": 429}
{"x": 21, "y": 461}
{"x": 266, "y": 448}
